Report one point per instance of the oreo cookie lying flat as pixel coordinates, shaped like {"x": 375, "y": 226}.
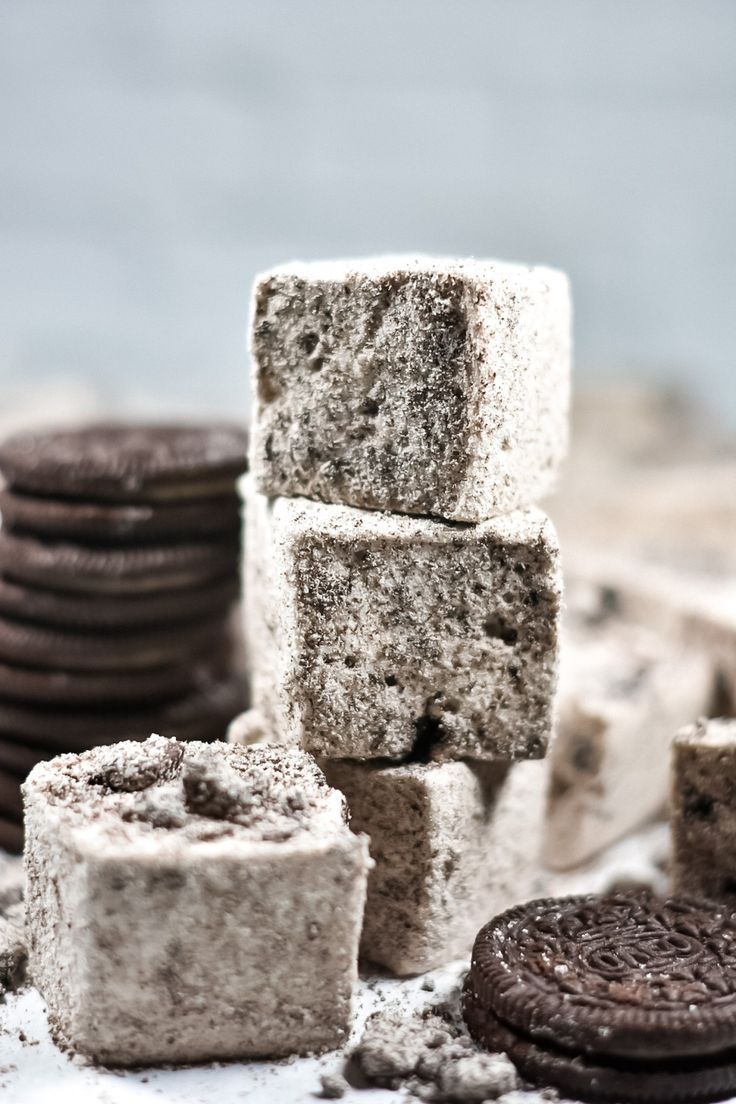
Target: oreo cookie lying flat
{"x": 584, "y": 1077}
{"x": 128, "y": 463}
{"x": 70, "y": 609}
{"x": 35, "y": 646}
{"x": 202, "y": 714}
{"x": 114, "y": 571}
{"x": 618, "y": 998}
{"x": 120, "y": 523}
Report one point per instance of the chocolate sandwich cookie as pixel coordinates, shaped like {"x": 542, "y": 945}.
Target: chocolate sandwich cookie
{"x": 19, "y": 759}
{"x": 128, "y": 463}
{"x": 206, "y": 712}
{"x": 120, "y": 523}
{"x": 115, "y": 571}
{"x": 11, "y": 802}
{"x": 36, "y": 646}
{"x": 624, "y": 997}
{"x": 11, "y": 835}
{"x": 74, "y": 609}
{"x": 44, "y": 686}
{"x": 586, "y": 1077}
{"x": 202, "y": 714}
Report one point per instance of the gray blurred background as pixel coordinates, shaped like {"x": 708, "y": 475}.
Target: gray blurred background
{"x": 155, "y": 155}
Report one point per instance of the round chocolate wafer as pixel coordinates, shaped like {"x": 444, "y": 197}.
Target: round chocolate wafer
{"x": 74, "y": 609}
{"x": 627, "y": 976}
{"x": 11, "y": 835}
{"x": 17, "y": 758}
{"x": 11, "y": 802}
{"x": 111, "y": 571}
{"x": 202, "y": 714}
{"x": 41, "y": 686}
{"x": 120, "y": 523}
{"x": 36, "y": 646}
{"x": 111, "y": 461}
{"x": 595, "y": 1079}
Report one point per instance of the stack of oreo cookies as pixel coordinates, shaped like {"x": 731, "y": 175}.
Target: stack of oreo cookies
{"x": 625, "y": 998}
{"x": 119, "y": 569}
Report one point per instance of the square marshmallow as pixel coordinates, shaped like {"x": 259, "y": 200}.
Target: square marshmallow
{"x": 453, "y": 844}
{"x": 703, "y": 810}
{"x": 420, "y": 385}
{"x": 694, "y": 606}
{"x": 624, "y": 691}
{"x": 384, "y": 636}
{"x": 192, "y": 902}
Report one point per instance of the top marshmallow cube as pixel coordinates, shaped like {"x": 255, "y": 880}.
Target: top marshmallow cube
{"x": 416, "y": 385}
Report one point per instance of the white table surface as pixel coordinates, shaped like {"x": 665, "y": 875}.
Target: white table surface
{"x": 34, "y": 1071}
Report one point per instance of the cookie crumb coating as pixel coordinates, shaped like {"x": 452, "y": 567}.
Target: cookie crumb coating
{"x": 189, "y": 902}
{"x": 452, "y": 844}
{"x": 385, "y": 636}
{"x": 413, "y": 384}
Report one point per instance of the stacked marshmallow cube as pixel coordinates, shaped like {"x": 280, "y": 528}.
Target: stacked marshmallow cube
{"x": 406, "y": 591}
